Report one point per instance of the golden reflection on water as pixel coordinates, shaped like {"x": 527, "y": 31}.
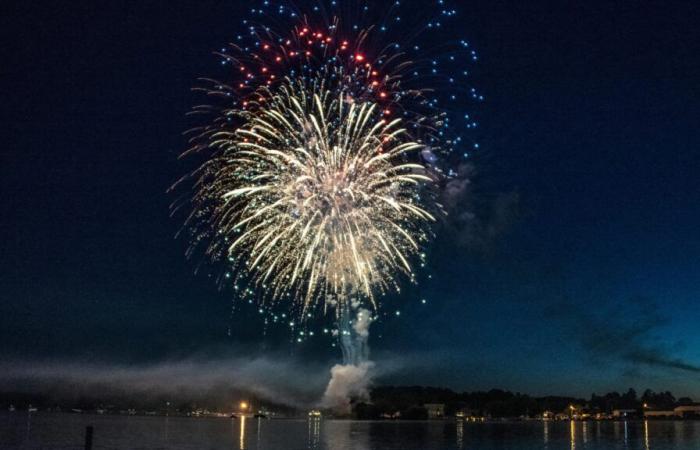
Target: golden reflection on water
{"x": 545, "y": 425}
{"x": 572, "y": 433}
{"x": 242, "y": 433}
{"x": 646, "y": 435}
{"x": 314, "y": 433}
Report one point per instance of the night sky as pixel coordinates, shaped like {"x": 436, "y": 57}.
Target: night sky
{"x": 578, "y": 273}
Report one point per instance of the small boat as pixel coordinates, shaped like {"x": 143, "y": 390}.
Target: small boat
{"x": 11, "y": 408}
{"x": 76, "y": 410}
{"x": 32, "y": 409}
{"x": 233, "y": 416}
{"x": 260, "y": 416}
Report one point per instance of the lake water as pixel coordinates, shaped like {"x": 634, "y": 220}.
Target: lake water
{"x": 66, "y": 431}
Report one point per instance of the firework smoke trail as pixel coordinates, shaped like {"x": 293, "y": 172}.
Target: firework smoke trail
{"x": 354, "y": 333}
{"x": 321, "y": 167}
{"x": 351, "y": 379}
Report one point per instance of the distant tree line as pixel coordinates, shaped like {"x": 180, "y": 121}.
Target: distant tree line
{"x": 409, "y": 402}
{"x": 405, "y": 402}
{"x": 218, "y": 400}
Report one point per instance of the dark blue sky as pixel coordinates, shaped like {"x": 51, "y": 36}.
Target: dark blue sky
{"x": 579, "y": 273}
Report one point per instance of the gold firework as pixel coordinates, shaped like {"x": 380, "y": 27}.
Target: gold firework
{"x": 315, "y": 195}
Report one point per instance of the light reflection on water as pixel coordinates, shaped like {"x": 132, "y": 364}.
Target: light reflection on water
{"x": 646, "y": 435}
{"x": 460, "y": 434}
{"x": 314, "y": 433}
{"x": 572, "y": 434}
{"x": 53, "y": 431}
{"x": 241, "y": 433}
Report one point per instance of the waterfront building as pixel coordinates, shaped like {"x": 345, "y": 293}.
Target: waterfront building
{"x": 624, "y": 413}
{"x": 659, "y": 414}
{"x": 687, "y": 411}
{"x": 435, "y": 410}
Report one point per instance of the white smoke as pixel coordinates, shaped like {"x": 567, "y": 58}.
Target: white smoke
{"x": 362, "y": 323}
{"x": 350, "y": 380}
{"x": 270, "y": 378}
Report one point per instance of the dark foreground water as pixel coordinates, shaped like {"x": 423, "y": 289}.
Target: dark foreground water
{"x": 66, "y": 431}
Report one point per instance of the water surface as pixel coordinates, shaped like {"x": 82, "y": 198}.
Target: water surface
{"x": 49, "y": 431}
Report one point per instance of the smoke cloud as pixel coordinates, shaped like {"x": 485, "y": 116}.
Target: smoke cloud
{"x": 350, "y": 381}
{"x": 361, "y": 325}
{"x": 277, "y": 380}
{"x": 627, "y": 334}
{"x": 478, "y": 219}
{"x": 274, "y": 379}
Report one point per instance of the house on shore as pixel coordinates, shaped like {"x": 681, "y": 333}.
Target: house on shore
{"x": 688, "y": 411}
{"x": 624, "y": 413}
{"x": 435, "y": 410}
{"x": 679, "y": 412}
{"x": 660, "y": 414}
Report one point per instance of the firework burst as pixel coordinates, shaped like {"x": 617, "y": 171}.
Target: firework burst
{"x": 319, "y": 181}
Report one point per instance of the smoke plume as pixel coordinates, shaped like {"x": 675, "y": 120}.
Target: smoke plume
{"x": 626, "y": 334}
{"x": 350, "y": 381}
{"x": 275, "y": 378}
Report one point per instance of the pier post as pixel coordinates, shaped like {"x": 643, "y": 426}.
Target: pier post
{"x": 88, "y": 437}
